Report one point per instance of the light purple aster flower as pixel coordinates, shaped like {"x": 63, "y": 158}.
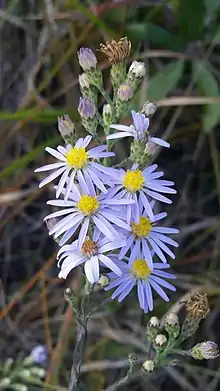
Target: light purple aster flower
{"x": 75, "y": 163}
{"x": 146, "y": 235}
{"x": 138, "y": 273}
{"x": 39, "y": 354}
{"x": 87, "y": 59}
{"x": 87, "y": 108}
{"x": 92, "y": 254}
{"x": 141, "y": 186}
{"x": 83, "y": 207}
{"x": 139, "y": 130}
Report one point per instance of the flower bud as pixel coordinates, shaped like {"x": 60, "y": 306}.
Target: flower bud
{"x": 149, "y": 109}
{"x": 207, "y": 350}
{"x": 124, "y": 95}
{"x": 160, "y": 340}
{"x": 132, "y": 358}
{"x": 151, "y": 148}
{"x": 152, "y": 328}
{"x": 39, "y": 354}
{"x": 87, "y": 59}
{"x": 38, "y": 372}
{"x": 66, "y": 128}
{"x": 107, "y": 116}
{"x": 24, "y": 374}
{"x": 87, "y": 108}
{"x": 172, "y": 325}
{"x": 148, "y": 366}
{"x": 136, "y": 73}
{"x": 154, "y": 322}
{"x": 125, "y": 92}
{"x": 103, "y": 280}
{"x": 84, "y": 81}
{"x": 138, "y": 69}
{"x": 4, "y": 383}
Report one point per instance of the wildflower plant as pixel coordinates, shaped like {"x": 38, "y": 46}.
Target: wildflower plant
{"x": 107, "y": 220}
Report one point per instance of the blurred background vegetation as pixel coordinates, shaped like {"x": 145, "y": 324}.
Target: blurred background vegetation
{"x": 179, "y": 42}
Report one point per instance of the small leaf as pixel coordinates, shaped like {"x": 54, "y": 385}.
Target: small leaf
{"x": 191, "y": 17}
{"x": 165, "y": 80}
{"x": 208, "y": 86}
{"x": 155, "y": 34}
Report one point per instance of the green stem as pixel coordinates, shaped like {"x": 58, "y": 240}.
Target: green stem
{"x": 105, "y": 95}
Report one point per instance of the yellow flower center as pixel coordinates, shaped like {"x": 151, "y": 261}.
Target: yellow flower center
{"x": 133, "y": 180}
{"x": 88, "y": 205}
{"x": 143, "y": 228}
{"x": 77, "y": 157}
{"x": 89, "y": 248}
{"x": 140, "y": 269}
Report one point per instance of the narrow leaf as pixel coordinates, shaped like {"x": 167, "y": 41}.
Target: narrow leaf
{"x": 207, "y": 85}
{"x": 191, "y": 18}
{"x": 165, "y": 80}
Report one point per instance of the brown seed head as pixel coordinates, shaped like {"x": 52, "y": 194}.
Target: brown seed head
{"x": 197, "y": 306}
{"x": 89, "y": 248}
{"x": 116, "y": 51}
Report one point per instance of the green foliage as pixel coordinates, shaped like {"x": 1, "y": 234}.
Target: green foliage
{"x": 191, "y": 18}
{"x": 163, "y": 82}
{"x": 208, "y": 86}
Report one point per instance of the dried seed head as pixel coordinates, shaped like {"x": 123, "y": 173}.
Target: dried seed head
{"x": 116, "y": 51}
{"x": 149, "y": 108}
{"x": 207, "y": 350}
{"x": 197, "y": 306}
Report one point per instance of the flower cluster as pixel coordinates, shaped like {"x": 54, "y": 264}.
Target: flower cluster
{"x": 107, "y": 214}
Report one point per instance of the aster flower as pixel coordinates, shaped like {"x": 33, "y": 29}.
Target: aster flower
{"x": 138, "y": 273}
{"x": 147, "y": 235}
{"x": 139, "y": 130}
{"x": 75, "y": 162}
{"x": 84, "y": 207}
{"x": 91, "y": 254}
{"x": 141, "y": 186}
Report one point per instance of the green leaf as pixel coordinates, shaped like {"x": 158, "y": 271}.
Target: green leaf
{"x": 191, "y": 18}
{"x": 211, "y": 6}
{"x": 207, "y": 85}
{"x": 155, "y": 34}
{"x": 24, "y": 160}
{"x": 165, "y": 80}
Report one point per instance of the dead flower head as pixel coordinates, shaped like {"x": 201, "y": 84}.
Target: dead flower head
{"x": 116, "y": 51}
{"x": 197, "y": 306}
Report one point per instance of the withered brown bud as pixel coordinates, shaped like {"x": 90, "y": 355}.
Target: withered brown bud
{"x": 116, "y": 51}
{"x": 197, "y": 306}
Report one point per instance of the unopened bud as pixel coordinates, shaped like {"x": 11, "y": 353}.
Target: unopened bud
{"x": 66, "y": 128}
{"x": 125, "y": 92}
{"x": 160, "y": 340}
{"x": 138, "y": 69}
{"x": 107, "y": 116}
{"x": 19, "y": 387}
{"x": 151, "y": 148}
{"x": 84, "y": 81}
{"x": 154, "y": 322}
{"x": 87, "y": 59}
{"x": 149, "y": 108}
{"x": 148, "y": 366}
{"x": 103, "y": 280}
{"x": 38, "y": 372}
{"x": 207, "y": 350}
{"x": 4, "y": 383}
{"x": 87, "y": 108}
{"x": 152, "y": 328}
{"x": 172, "y": 325}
